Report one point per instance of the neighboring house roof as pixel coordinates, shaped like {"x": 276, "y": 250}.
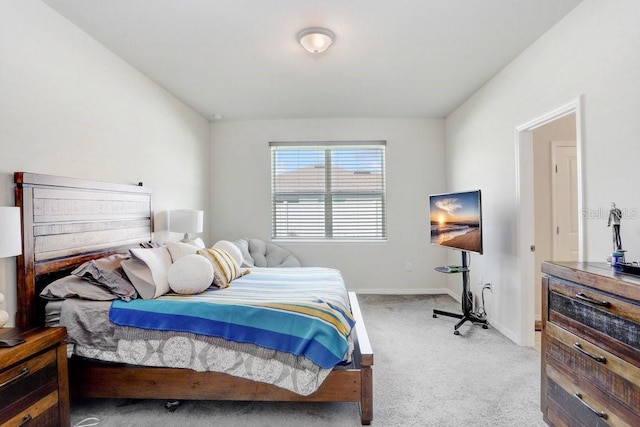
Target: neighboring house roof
{"x": 311, "y": 179}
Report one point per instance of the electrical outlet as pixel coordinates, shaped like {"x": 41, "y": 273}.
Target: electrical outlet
{"x": 407, "y": 266}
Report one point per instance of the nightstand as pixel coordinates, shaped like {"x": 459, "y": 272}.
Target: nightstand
{"x": 34, "y": 385}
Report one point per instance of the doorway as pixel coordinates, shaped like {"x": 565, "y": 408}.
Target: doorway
{"x": 555, "y": 198}
{"x": 535, "y": 200}
{"x": 564, "y": 199}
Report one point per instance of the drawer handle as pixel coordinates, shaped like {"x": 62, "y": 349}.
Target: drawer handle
{"x": 600, "y": 359}
{"x": 585, "y": 298}
{"x": 589, "y": 407}
{"x": 23, "y": 373}
{"x": 25, "y": 420}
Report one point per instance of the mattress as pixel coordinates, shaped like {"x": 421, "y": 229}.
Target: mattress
{"x": 92, "y": 334}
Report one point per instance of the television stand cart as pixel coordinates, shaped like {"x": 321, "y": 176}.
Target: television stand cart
{"x": 467, "y": 299}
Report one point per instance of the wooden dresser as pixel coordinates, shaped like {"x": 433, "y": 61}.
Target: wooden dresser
{"x": 34, "y": 385}
{"x": 590, "y": 345}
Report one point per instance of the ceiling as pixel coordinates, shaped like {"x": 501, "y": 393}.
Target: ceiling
{"x": 240, "y": 59}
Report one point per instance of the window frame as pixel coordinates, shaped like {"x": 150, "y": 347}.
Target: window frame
{"x": 329, "y": 193}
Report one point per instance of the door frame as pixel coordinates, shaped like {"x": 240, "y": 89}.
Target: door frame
{"x": 525, "y": 205}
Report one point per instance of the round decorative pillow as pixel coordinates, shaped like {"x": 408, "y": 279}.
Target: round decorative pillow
{"x": 190, "y": 274}
{"x": 231, "y": 248}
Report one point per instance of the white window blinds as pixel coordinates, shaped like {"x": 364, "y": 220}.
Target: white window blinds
{"x": 328, "y": 191}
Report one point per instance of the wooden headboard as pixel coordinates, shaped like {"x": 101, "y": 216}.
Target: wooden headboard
{"x": 68, "y": 221}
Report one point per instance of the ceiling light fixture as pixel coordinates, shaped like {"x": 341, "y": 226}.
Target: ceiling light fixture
{"x": 316, "y": 40}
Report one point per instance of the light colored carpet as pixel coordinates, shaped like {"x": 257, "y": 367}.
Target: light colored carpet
{"x": 423, "y": 376}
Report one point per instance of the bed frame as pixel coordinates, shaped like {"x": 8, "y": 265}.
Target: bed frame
{"x": 68, "y": 221}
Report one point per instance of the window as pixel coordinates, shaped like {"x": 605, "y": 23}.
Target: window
{"x": 328, "y": 191}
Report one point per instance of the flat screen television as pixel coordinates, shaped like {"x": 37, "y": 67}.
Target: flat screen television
{"x": 456, "y": 220}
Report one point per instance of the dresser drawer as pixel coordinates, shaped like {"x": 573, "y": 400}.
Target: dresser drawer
{"x": 573, "y": 401}
{"x": 616, "y": 378}
{"x": 33, "y": 381}
{"x": 42, "y": 413}
{"x": 612, "y": 322}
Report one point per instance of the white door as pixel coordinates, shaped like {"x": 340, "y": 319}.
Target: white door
{"x": 564, "y": 200}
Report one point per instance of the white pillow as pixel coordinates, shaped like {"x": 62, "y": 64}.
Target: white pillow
{"x": 198, "y": 242}
{"x": 147, "y": 271}
{"x": 191, "y": 274}
{"x": 231, "y": 249}
{"x": 179, "y": 249}
{"x": 225, "y": 268}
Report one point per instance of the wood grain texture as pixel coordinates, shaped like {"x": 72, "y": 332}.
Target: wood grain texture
{"x": 34, "y": 378}
{"x": 614, "y": 326}
{"x": 596, "y": 275}
{"x": 91, "y": 380}
{"x": 590, "y": 346}
{"x": 565, "y": 388}
{"x": 37, "y": 340}
{"x": 605, "y": 375}
{"x": 613, "y": 363}
{"x": 68, "y": 221}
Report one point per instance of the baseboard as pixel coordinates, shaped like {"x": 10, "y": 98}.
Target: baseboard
{"x": 395, "y": 291}
{"x": 504, "y": 331}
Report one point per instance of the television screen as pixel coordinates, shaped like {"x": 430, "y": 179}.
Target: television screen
{"x": 456, "y": 220}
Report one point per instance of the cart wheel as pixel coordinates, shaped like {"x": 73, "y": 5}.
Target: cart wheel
{"x": 456, "y": 332}
{"x": 172, "y": 405}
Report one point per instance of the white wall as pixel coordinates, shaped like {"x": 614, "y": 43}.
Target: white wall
{"x": 70, "y": 107}
{"x": 240, "y": 188}
{"x": 592, "y": 52}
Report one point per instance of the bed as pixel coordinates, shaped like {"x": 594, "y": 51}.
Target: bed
{"x": 67, "y": 222}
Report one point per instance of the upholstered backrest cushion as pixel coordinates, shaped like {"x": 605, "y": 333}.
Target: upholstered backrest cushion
{"x": 265, "y": 254}
{"x": 243, "y": 245}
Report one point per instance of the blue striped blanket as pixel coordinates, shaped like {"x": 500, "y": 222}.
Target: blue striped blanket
{"x": 300, "y": 311}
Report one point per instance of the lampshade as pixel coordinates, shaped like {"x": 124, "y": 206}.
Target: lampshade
{"x": 186, "y": 221}
{"x": 10, "y": 243}
{"x": 10, "y": 234}
{"x": 316, "y": 40}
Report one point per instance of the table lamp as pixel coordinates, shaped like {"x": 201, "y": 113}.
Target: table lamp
{"x": 186, "y": 221}
{"x": 10, "y": 243}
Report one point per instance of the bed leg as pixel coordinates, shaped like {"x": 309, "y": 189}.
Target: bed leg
{"x": 366, "y": 400}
